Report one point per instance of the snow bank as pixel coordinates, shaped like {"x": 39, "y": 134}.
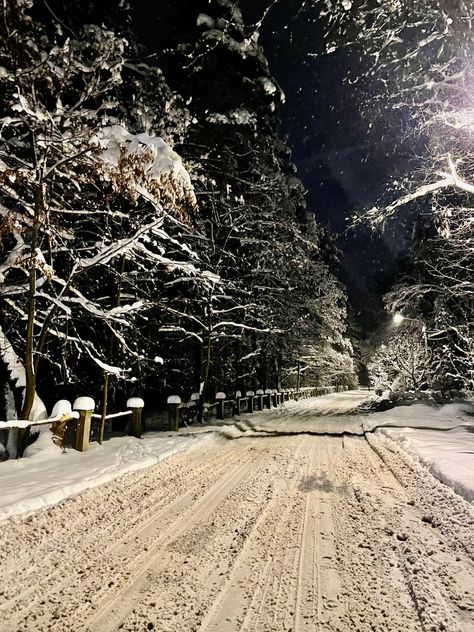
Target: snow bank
{"x": 448, "y": 455}
{"x": 423, "y": 416}
{"x": 442, "y": 439}
{"x": 49, "y": 477}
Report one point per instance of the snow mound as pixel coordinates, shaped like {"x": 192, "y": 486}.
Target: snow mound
{"x": 42, "y": 445}
{"x": 423, "y": 416}
{"x": 48, "y": 477}
{"x": 449, "y": 455}
{"x": 440, "y": 438}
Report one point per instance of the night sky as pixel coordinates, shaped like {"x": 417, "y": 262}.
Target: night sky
{"x": 339, "y": 154}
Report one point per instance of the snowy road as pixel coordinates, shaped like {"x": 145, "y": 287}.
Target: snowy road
{"x": 264, "y": 533}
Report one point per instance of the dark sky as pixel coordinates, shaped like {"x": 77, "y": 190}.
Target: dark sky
{"x": 337, "y": 150}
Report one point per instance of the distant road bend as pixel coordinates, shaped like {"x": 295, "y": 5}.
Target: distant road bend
{"x": 281, "y": 530}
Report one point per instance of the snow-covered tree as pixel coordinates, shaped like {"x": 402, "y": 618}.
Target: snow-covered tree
{"x": 253, "y": 215}
{"x": 109, "y": 265}
{"x": 85, "y": 202}
{"x": 401, "y": 362}
{"x": 415, "y": 85}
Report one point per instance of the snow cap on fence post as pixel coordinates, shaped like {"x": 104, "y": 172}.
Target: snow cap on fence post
{"x": 220, "y": 395}
{"x": 62, "y": 407}
{"x": 173, "y": 402}
{"x": 84, "y": 403}
{"x": 135, "y": 402}
{"x": 85, "y": 406}
{"x": 195, "y": 397}
{"x": 135, "y": 426}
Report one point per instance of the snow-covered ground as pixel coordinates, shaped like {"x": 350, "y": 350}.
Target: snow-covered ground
{"x": 303, "y": 520}
{"x": 48, "y": 476}
{"x": 267, "y": 533}
{"x": 441, "y": 438}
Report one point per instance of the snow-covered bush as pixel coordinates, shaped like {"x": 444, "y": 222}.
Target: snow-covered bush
{"x": 401, "y": 362}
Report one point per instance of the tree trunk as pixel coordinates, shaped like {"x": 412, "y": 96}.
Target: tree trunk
{"x": 206, "y": 361}
{"x": 110, "y": 357}
{"x": 30, "y": 388}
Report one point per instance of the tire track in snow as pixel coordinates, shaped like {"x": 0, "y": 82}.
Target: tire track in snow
{"x": 256, "y": 535}
{"x": 429, "y": 572}
{"x": 30, "y": 601}
{"x": 112, "y": 610}
{"x": 234, "y": 605}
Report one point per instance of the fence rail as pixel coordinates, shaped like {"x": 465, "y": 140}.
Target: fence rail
{"x": 187, "y": 412}
{"x": 78, "y": 416}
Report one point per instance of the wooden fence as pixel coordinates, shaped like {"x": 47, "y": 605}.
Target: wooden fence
{"x": 184, "y": 413}
{"x": 79, "y": 416}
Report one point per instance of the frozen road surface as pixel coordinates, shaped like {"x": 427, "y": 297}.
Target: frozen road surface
{"x": 284, "y": 531}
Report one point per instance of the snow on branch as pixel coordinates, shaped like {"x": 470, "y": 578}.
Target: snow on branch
{"x": 448, "y": 179}
{"x": 8, "y": 355}
{"x": 119, "y": 247}
{"x": 159, "y": 161}
{"x": 112, "y": 370}
{"x": 377, "y": 215}
{"x": 248, "y": 327}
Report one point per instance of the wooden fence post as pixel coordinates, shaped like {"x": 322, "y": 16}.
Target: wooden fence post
{"x": 173, "y": 402}
{"x": 274, "y": 397}
{"x": 136, "y": 405}
{"x": 268, "y": 394}
{"x": 250, "y": 395}
{"x": 238, "y": 402}
{"x": 85, "y": 407}
{"x": 259, "y": 393}
{"x": 220, "y": 399}
{"x": 21, "y": 440}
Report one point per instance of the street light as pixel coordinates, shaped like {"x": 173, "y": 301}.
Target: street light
{"x": 398, "y": 319}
